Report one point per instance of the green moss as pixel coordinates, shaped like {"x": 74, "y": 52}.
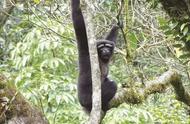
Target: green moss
{"x": 155, "y": 88}
{"x": 134, "y": 97}
{"x": 15, "y": 105}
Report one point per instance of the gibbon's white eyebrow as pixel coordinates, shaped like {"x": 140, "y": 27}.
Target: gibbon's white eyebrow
{"x": 105, "y": 44}
{"x": 101, "y": 45}
{"x": 108, "y": 45}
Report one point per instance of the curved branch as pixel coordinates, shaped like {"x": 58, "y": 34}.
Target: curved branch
{"x": 159, "y": 85}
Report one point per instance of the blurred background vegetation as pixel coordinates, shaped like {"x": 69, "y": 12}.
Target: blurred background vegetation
{"x": 38, "y": 51}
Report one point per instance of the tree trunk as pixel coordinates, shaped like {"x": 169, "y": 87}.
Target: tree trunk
{"x": 14, "y": 109}
{"x": 95, "y": 115}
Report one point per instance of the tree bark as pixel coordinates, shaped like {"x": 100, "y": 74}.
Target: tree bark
{"x": 14, "y": 109}
{"x": 95, "y": 115}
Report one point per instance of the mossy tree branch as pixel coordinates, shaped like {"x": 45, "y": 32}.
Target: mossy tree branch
{"x": 159, "y": 85}
{"x": 14, "y": 109}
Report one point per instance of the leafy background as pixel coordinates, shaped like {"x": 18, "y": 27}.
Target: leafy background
{"x": 38, "y": 51}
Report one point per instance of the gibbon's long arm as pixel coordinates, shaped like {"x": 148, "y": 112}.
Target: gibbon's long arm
{"x": 113, "y": 34}
{"x": 81, "y": 36}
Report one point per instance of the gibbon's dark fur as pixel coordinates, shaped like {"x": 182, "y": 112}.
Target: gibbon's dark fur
{"x": 105, "y": 51}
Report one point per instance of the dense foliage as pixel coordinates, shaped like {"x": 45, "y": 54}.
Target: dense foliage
{"x": 38, "y": 51}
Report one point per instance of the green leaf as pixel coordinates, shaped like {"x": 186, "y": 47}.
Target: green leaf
{"x": 61, "y": 61}
{"x": 58, "y": 98}
{"x": 133, "y": 40}
{"x": 177, "y": 45}
{"x": 162, "y": 21}
{"x": 188, "y": 38}
{"x": 184, "y": 56}
{"x": 36, "y": 1}
{"x": 168, "y": 32}
{"x": 182, "y": 26}
{"x": 185, "y": 31}
{"x": 174, "y": 25}
{"x": 25, "y": 59}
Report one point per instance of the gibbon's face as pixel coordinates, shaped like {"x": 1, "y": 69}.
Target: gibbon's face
{"x": 105, "y": 51}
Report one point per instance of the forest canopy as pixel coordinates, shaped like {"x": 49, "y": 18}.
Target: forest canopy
{"x": 150, "y": 65}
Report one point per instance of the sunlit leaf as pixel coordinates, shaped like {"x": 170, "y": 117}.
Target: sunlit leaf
{"x": 133, "y": 40}
{"x": 183, "y": 26}
{"x": 188, "y": 38}
{"x": 185, "y": 30}
{"x": 58, "y": 99}
{"x": 36, "y": 1}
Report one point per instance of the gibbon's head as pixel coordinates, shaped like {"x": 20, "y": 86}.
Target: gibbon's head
{"x": 105, "y": 50}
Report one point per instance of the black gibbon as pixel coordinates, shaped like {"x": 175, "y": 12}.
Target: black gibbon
{"x": 105, "y": 51}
